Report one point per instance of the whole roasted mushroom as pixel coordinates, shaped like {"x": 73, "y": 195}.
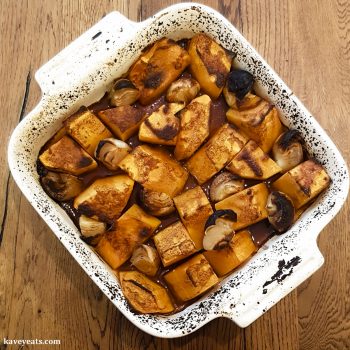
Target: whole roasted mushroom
{"x": 240, "y": 82}
{"x": 146, "y": 259}
{"x": 219, "y": 230}
{"x": 61, "y": 187}
{"x": 280, "y": 211}
{"x": 123, "y": 93}
{"x": 111, "y": 151}
{"x": 224, "y": 185}
{"x": 156, "y": 203}
{"x": 287, "y": 150}
{"x": 183, "y": 90}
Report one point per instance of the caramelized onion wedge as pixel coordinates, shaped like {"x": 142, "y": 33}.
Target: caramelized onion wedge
{"x": 146, "y": 259}
{"x": 156, "y": 203}
{"x": 288, "y": 150}
{"x": 144, "y": 295}
{"x": 280, "y": 211}
{"x": 91, "y": 227}
{"x": 224, "y": 185}
{"x": 60, "y": 186}
{"x": 183, "y": 90}
{"x": 111, "y": 152}
{"x": 123, "y": 93}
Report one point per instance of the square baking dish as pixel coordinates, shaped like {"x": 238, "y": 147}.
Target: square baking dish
{"x": 80, "y": 75}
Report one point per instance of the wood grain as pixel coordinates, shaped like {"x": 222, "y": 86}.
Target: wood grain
{"x": 45, "y": 294}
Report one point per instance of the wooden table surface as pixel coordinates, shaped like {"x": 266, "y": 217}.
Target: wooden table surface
{"x": 44, "y": 293}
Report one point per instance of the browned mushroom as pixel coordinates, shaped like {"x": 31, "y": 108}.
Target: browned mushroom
{"x": 219, "y": 230}
{"x": 280, "y": 211}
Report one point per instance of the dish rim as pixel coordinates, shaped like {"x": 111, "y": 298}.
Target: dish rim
{"x": 312, "y": 258}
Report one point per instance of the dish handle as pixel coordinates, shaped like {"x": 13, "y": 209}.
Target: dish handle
{"x": 78, "y": 60}
{"x": 298, "y": 266}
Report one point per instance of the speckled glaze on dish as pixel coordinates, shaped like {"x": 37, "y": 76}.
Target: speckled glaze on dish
{"x": 80, "y": 75}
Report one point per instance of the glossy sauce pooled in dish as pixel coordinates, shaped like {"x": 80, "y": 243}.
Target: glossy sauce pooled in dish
{"x": 179, "y": 174}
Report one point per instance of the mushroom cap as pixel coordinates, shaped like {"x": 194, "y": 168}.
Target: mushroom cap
{"x": 280, "y": 211}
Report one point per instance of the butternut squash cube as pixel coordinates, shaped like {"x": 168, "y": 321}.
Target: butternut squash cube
{"x": 87, "y": 130}
{"x": 249, "y": 205}
{"x": 192, "y": 278}
{"x": 225, "y": 260}
{"x": 253, "y": 163}
{"x": 157, "y": 68}
{"x": 105, "y": 198}
{"x": 194, "y": 129}
{"x": 162, "y": 126}
{"x": 133, "y": 228}
{"x": 143, "y": 294}
{"x": 174, "y": 243}
{"x": 260, "y": 123}
{"x": 210, "y": 64}
{"x": 124, "y": 121}
{"x": 303, "y": 183}
{"x": 67, "y": 156}
{"x": 155, "y": 170}
{"x": 194, "y": 209}
{"x": 216, "y": 153}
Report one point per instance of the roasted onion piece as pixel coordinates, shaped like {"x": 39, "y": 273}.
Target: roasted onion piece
{"x": 123, "y": 93}
{"x": 156, "y": 203}
{"x": 183, "y": 90}
{"x": 224, "y": 185}
{"x": 146, "y": 259}
{"x": 91, "y": 227}
{"x": 111, "y": 151}
{"x": 288, "y": 150}
{"x": 280, "y": 211}
{"x": 240, "y": 82}
{"x": 60, "y": 186}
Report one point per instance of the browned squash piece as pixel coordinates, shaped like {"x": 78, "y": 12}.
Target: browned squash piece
{"x": 87, "y": 130}
{"x": 162, "y": 126}
{"x": 260, "y": 123}
{"x": 67, "y": 156}
{"x": 253, "y": 163}
{"x": 225, "y": 260}
{"x": 249, "y": 101}
{"x": 143, "y": 294}
{"x": 174, "y": 243}
{"x": 133, "y": 228}
{"x": 194, "y": 209}
{"x": 124, "y": 121}
{"x": 157, "y": 68}
{"x": 210, "y": 64}
{"x": 155, "y": 170}
{"x": 59, "y": 134}
{"x": 216, "y": 153}
{"x": 105, "y": 198}
{"x": 303, "y": 183}
{"x": 194, "y": 127}
{"x": 249, "y": 205}
{"x": 192, "y": 278}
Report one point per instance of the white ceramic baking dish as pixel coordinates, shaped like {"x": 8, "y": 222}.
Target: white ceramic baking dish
{"x": 80, "y": 75}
